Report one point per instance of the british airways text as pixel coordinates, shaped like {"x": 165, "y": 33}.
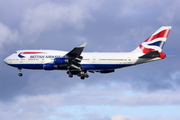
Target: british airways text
{"x": 45, "y": 56}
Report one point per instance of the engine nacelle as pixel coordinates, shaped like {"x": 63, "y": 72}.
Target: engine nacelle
{"x": 48, "y": 66}
{"x": 106, "y": 71}
{"x": 61, "y": 61}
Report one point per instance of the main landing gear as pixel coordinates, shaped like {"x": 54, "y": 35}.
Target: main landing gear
{"x": 81, "y": 74}
{"x": 20, "y": 72}
{"x": 69, "y": 74}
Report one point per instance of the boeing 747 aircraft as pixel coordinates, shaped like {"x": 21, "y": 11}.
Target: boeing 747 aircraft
{"x": 80, "y": 63}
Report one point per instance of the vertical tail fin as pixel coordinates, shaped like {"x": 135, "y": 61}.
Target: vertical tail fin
{"x": 155, "y": 42}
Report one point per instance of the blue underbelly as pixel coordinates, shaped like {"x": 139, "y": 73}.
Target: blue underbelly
{"x": 84, "y": 66}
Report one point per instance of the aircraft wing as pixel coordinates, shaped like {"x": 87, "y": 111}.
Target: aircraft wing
{"x": 74, "y": 57}
{"x": 76, "y": 52}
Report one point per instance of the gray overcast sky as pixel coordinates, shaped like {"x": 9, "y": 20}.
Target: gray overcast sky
{"x": 143, "y": 92}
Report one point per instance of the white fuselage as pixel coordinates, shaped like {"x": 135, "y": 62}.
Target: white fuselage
{"x": 35, "y": 59}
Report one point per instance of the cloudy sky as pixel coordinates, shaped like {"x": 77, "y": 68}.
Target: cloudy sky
{"x": 144, "y": 92}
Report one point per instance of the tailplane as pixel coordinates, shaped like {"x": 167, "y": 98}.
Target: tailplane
{"x": 155, "y": 42}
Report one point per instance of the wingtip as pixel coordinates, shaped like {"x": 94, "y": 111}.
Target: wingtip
{"x": 83, "y": 44}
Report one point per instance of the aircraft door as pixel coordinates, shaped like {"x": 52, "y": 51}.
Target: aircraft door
{"x": 21, "y": 60}
{"x": 94, "y": 59}
{"x": 129, "y": 60}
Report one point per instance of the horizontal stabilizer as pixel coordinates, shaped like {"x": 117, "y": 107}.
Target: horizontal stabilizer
{"x": 152, "y": 54}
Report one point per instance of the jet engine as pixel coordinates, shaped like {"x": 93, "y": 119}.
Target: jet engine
{"x": 48, "y": 66}
{"x": 61, "y": 61}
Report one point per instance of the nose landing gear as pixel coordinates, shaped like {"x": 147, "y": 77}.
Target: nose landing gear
{"x": 20, "y": 72}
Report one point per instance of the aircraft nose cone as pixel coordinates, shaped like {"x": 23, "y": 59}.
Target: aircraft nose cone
{"x": 5, "y": 60}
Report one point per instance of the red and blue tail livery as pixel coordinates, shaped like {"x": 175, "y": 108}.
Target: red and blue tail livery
{"x": 155, "y": 42}
{"x": 77, "y": 62}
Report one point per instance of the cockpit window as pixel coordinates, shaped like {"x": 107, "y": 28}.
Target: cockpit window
{"x": 15, "y": 52}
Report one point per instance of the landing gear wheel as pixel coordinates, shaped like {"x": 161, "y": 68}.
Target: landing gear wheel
{"x": 82, "y": 77}
{"x": 68, "y": 72}
{"x": 20, "y": 74}
{"x": 87, "y": 76}
{"x": 70, "y": 75}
